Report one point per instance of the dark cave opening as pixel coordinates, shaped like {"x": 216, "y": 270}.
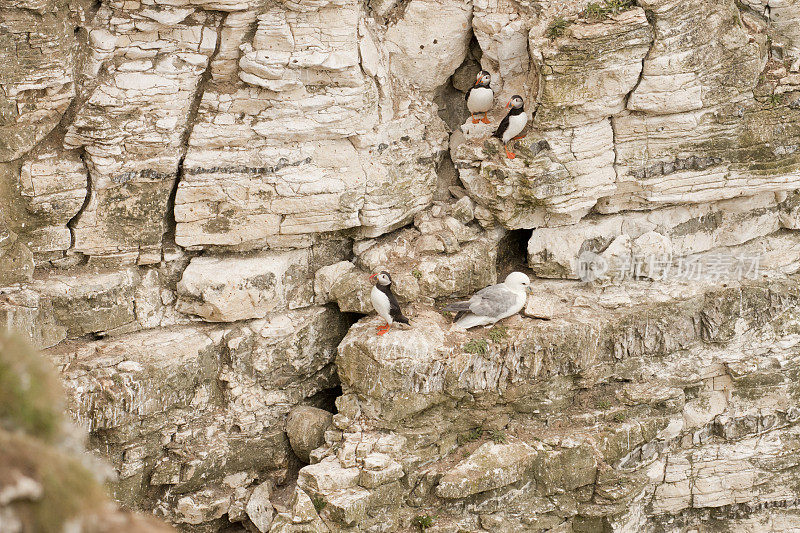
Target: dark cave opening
{"x": 512, "y": 253}
{"x": 326, "y": 399}
{"x": 450, "y": 96}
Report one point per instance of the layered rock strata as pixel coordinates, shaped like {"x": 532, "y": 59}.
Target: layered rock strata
{"x": 194, "y": 193}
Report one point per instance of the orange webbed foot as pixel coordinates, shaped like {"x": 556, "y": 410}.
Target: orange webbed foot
{"x": 485, "y": 119}
{"x": 475, "y": 120}
{"x": 509, "y": 154}
{"x": 383, "y": 329}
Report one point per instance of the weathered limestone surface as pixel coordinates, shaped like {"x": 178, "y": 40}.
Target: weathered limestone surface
{"x": 41, "y": 195}
{"x": 605, "y": 420}
{"x": 37, "y": 50}
{"x": 221, "y": 289}
{"x": 489, "y": 467}
{"x": 682, "y": 231}
{"x": 199, "y": 409}
{"x": 194, "y": 193}
{"x": 132, "y": 126}
{"x": 587, "y": 74}
{"x": 725, "y": 60}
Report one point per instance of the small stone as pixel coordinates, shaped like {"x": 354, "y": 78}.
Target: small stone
{"x": 464, "y": 210}
{"x": 540, "y": 306}
{"x": 202, "y": 506}
{"x": 130, "y": 366}
{"x": 457, "y": 192}
{"x": 259, "y": 509}
{"x": 326, "y": 476}
{"x": 302, "y": 507}
{"x": 349, "y": 507}
{"x": 379, "y": 469}
{"x": 429, "y": 244}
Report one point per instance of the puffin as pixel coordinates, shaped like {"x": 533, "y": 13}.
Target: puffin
{"x": 385, "y": 302}
{"x": 493, "y": 303}
{"x": 513, "y": 123}
{"x": 480, "y": 97}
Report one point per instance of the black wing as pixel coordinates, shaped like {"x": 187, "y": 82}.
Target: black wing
{"x": 457, "y": 306}
{"x": 466, "y": 96}
{"x": 394, "y": 308}
{"x": 501, "y": 129}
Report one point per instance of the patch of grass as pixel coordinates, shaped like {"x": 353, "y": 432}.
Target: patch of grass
{"x": 597, "y": 11}
{"x": 594, "y": 11}
{"x": 476, "y": 346}
{"x": 489, "y": 149}
{"x": 471, "y": 436}
{"x": 557, "y": 28}
{"x": 319, "y": 503}
{"x": 618, "y": 6}
{"x": 775, "y": 100}
{"x": 498, "y": 333}
{"x": 416, "y": 273}
{"x": 605, "y": 405}
{"x": 423, "y": 521}
{"x": 447, "y": 314}
{"x": 619, "y": 416}
{"x": 498, "y": 436}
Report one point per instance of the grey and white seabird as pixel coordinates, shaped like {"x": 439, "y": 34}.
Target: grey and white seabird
{"x": 480, "y": 97}
{"x": 385, "y": 302}
{"x": 492, "y": 303}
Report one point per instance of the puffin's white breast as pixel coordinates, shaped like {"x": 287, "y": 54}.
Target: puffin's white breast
{"x": 516, "y": 123}
{"x": 381, "y": 304}
{"x": 480, "y": 100}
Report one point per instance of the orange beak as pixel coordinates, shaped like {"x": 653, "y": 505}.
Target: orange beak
{"x": 372, "y": 276}
{"x": 508, "y": 104}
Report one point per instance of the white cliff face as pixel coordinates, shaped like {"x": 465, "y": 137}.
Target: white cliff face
{"x": 193, "y": 195}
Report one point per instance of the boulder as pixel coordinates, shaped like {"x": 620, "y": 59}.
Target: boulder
{"x": 306, "y": 428}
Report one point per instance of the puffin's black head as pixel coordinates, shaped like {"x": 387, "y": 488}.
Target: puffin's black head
{"x": 516, "y": 102}
{"x": 483, "y": 79}
{"x": 383, "y": 278}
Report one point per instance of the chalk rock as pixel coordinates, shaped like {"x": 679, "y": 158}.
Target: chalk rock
{"x": 230, "y": 289}
{"x": 489, "y": 467}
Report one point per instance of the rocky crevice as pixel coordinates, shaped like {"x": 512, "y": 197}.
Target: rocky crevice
{"x": 74, "y": 220}
{"x": 168, "y": 238}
